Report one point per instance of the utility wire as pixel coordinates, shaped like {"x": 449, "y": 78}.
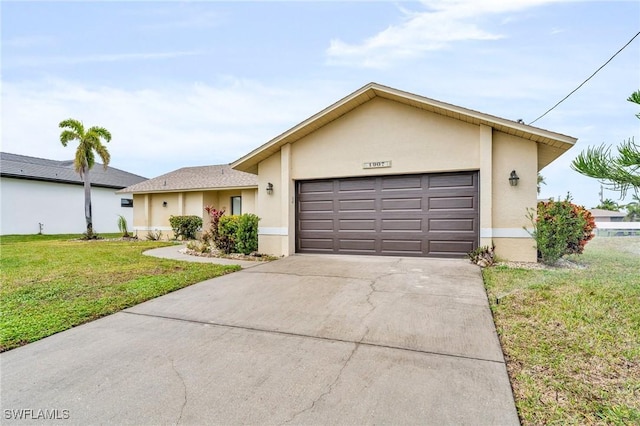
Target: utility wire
{"x": 583, "y": 83}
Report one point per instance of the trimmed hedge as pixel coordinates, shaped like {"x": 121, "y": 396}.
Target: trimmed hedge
{"x": 185, "y": 226}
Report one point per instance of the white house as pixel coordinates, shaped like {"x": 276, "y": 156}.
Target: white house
{"x": 40, "y": 195}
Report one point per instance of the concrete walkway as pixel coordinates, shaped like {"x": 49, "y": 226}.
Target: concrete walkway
{"x": 301, "y": 340}
{"x": 173, "y": 252}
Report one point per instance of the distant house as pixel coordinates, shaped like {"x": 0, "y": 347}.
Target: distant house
{"x": 601, "y": 215}
{"x": 41, "y": 195}
{"x": 187, "y": 191}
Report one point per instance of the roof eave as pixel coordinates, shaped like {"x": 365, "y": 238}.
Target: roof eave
{"x": 169, "y": 190}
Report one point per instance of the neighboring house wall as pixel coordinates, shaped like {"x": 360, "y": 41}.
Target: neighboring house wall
{"x": 150, "y": 213}
{"x": 415, "y": 141}
{"x": 59, "y": 206}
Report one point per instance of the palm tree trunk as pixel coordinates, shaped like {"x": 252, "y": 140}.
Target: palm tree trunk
{"x": 87, "y": 202}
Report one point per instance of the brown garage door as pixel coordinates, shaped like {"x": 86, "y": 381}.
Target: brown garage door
{"x": 413, "y": 215}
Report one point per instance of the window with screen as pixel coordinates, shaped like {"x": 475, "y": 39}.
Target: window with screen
{"x": 126, "y": 202}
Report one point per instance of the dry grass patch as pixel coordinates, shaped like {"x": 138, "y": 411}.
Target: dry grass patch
{"x": 571, "y": 337}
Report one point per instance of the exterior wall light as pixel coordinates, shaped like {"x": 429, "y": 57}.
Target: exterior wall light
{"x": 164, "y": 204}
{"x": 513, "y": 178}
{"x": 269, "y": 188}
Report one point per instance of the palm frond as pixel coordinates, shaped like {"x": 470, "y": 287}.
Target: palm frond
{"x": 100, "y": 132}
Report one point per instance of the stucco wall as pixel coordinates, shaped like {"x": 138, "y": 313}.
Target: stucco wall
{"x": 60, "y": 207}
{"x": 155, "y": 216}
{"x": 415, "y": 141}
{"x": 271, "y": 227}
{"x": 510, "y": 203}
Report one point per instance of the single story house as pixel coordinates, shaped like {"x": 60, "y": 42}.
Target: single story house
{"x": 187, "y": 191}
{"x": 41, "y": 195}
{"x": 380, "y": 172}
{"x": 601, "y": 215}
{"x": 386, "y": 172}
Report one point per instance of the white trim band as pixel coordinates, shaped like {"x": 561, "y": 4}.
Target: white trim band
{"x": 262, "y": 230}
{"x": 505, "y": 233}
{"x": 152, "y": 228}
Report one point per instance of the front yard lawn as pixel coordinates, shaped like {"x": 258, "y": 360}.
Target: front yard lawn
{"x": 52, "y": 283}
{"x": 571, "y": 337}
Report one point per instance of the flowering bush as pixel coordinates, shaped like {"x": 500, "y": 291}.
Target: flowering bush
{"x": 232, "y": 234}
{"x": 561, "y": 228}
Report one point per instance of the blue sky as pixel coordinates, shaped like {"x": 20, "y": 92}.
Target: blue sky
{"x": 200, "y": 82}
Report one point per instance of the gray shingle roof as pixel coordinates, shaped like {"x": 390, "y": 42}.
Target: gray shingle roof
{"x": 33, "y": 168}
{"x": 192, "y": 178}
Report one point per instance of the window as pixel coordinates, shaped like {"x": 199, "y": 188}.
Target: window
{"x": 126, "y": 202}
{"x": 236, "y": 205}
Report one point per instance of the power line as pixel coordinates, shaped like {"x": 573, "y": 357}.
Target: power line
{"x": 583, "y": 83}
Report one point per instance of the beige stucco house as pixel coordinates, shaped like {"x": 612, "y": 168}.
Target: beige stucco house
{"x": 386, "y": 172}
{"x": 187, "y": 191}
{"x": 380, "y": 172}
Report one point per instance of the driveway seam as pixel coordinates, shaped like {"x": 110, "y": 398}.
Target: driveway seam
{"x": 330, "y": 339}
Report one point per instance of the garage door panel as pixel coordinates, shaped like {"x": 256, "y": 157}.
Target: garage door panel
{"x": 316, "y": 225}
{"x": 315, "y": 187}
{"x": 356, "y": 185}
{"x": 401, "y": 225}
{"x": 450, "y": 224}
{"x": 404, "y": 247}
{"x": 391, "y": 204}
{"x": 449, "y": 248}
{"x": 404, "y": 183}
{"x": 451, "y": 181}
{"x": 449, "y": 203}
{"x": 316, "y": 206}
{"x": 360, "y": 205}
{"x": 357, "y": 245}
{"x": 317, "y": 244}
{"x": 413, "y": 215}
{"x": 357, "y": 225}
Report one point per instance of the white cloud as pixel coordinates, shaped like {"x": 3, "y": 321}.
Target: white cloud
{"x": 157, "y": 130}
{"x": 442, "y": 23}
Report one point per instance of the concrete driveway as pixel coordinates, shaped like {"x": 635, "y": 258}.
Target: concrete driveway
{"x": 302, "y": 340}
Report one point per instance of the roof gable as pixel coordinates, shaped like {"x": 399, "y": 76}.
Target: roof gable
{"x": 196, "y": 178}
{"x": 42, "y": 169}
{"x": 551, "y": 144}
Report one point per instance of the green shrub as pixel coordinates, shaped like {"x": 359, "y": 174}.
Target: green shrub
{"x": 560, "y": 228}
{"x": 227, "y": 228}
{"x": 246, "y": 237}
{"x": 185, "y": 226}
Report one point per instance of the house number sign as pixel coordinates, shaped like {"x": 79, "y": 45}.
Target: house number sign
{"x": 376, "y": 164}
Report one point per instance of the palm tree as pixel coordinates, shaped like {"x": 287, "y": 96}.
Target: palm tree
{"x": 89, "y": 144}
{"x": 633, "y": 210}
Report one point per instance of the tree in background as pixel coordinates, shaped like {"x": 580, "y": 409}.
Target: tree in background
{"x": 89, "y": 144}
{"x": 620, "y": 172}
{"x": 608, "y": 205}
{"x": 541, "y": 181}
{"x": 633, "y": 210}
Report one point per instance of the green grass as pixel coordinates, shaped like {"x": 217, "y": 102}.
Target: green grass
{"x": 571, "y": 337}
{"x": 51, "y": 283}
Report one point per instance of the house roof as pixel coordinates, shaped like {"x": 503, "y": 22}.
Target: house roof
{"x": 606, "y": 213}
{"x": 41, "y": 169}
{"x": 552, "y": 144}
{"x": 196, "y": 178}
